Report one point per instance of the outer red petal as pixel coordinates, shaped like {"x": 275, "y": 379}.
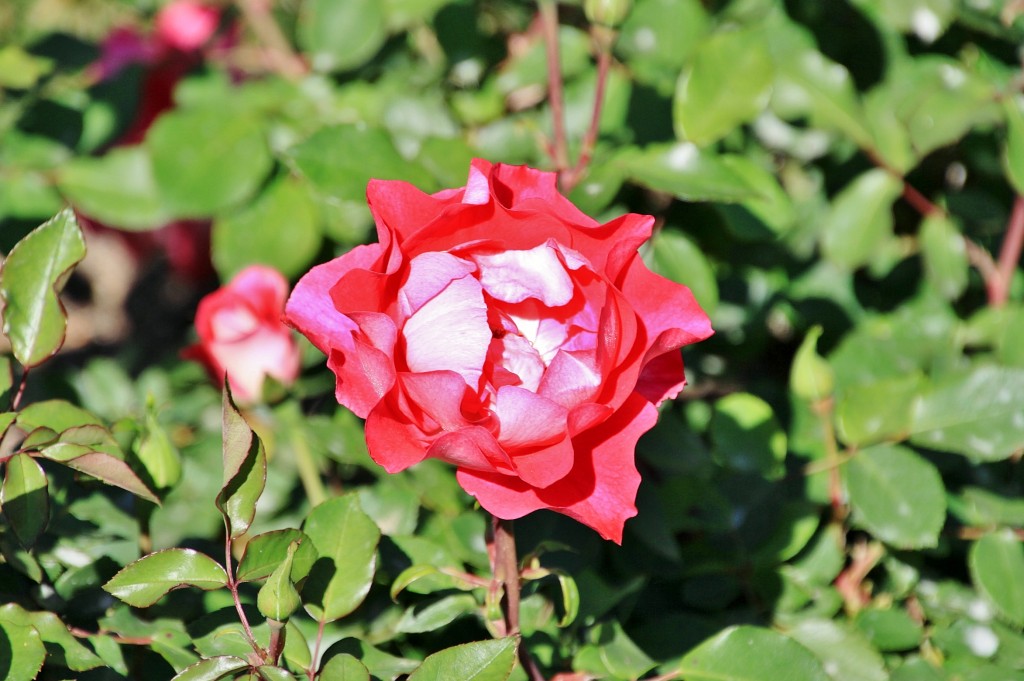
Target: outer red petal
{"x": 599, "y": 491}
{"x": 310, "y": 309}
{"x": 672, "y": 318}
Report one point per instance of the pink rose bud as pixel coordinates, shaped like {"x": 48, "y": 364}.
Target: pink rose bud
{"x": 186, "y": 25}
{"x": 498, "y": 328}
{"x": 241, "y": 334}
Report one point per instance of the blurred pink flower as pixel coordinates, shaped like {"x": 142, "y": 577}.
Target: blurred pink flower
{"x": 241, "y": 334}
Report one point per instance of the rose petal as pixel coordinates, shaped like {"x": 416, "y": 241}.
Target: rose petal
{"x": 392, "y": 439}
{"x": 570, "y": 379}
{"x": 264, "y": 288}
{"x": 472, "y": 448}
{"x": 400, "y": 208}
{"x": 450, "y": 332}
{"x": 527, "y": 419}
{"x": 310, "y": 307}
{"x": 599, "y": 491}
{"x": 514, "y": 276}
{"x": 546, "y": 466}
{"x": 662, "y": 378}
{"x": 429, "y": 274}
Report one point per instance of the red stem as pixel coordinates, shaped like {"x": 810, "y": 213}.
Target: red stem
{"x": 505, "y": 568}
{"x": 1009, "y": 255}
{"x": 16, "y": 400}
{"x": 604, "y": 61}
{"x": 549, "y": 23}
{"x": 311, "y": 672}
{"x": 233, "y": 587}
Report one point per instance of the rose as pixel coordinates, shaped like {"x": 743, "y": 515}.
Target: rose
{"x": 500, "y": 329}
{"x": 241, "y": 334}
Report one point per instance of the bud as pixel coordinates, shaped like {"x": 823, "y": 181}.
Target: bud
{"x": 277, "y": 599}
{"x": 811, "y": 377}
{"x": 610, "y": 13}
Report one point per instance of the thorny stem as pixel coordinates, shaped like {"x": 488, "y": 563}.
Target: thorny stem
{"x": 279, "y": 53}
{"x": 1009, "y": 255}
{"x": 549, "y": 24}
{"x": 505, "y": 568}
{"x": 603, "y": 37}
{"x": 233, "y": 587}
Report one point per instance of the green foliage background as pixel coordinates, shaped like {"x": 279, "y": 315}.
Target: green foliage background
{"x": 836, "y": 495}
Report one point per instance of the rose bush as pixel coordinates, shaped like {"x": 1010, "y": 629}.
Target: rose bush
{"x": 498, "y": 328}
{"x": 241, "y": 334}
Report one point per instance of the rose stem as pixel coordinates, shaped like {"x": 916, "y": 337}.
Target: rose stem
{"x": 279, "y": 52}
{"x": 233, "y": 587}
{"x": 20, "y": 392}
{"x": 1009, "y": 255}
{"x": 549, "y": 24}
{"x": 506, "y": 571}
{"x": 603, "y": 38}
{"x": 978, "y": 256}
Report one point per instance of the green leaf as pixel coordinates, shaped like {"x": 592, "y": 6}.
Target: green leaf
{"x": 280, "y": 229}
{"x": 344, "y": 667}
{"x": 1013, "y": 151}
{"x": 264, "y": 552}
{"x": 33, "y": 273}
{"x": 62, "y": 648}
{"x": 145, "y": 581}
{"x": 340, "y": 160}
{"x": 117, "y": 188}
{"x": 57, "y": 415}
{"x": 436, "y": 615}
{"x": 844, "y": 652}
{"x": 21, "y": 651}
{"x": 903, "y": 515}
{"x": 810, "y": 376}
{"x": 212, "y": 669}
{"x": 341, "y": 35}
{"x": 658, "y": 37}
{"x": 613, "y": 653}
{"x": 809, "y": 84}
{"x": 278, "y": 599}
{"x": 102, "y": 466}
{"x": 346, "y": 540}
{"x": 207, "y": 159}
{"x": 890, "y": 630}
{"x": 945, "y": 256}
{"x": 747, "y": 436}
{"x": 996, "y": 562}
{"x": 410, "y": 575}
{"x": 675, "y": 257}
{"x": 860, "y": 219}
{"x": 704, "y": 111}
{"x": 25, "y": 498}
{"x": 974, "y": 412}
{"x": 686, "y": 172}
{"x": 245, "y": 470}
{"x": 747, "y": 653}
{"x": 877, "y": 410}
{"x": 271, "y": 673}
{"x": 482, "y": 661}
{"x": 159, "y": 457}
{"x": 21, "y": 70}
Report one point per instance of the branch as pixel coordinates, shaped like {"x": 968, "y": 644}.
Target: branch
{"x": 1009, "y": 255}
{"x": 604, "y": 38}
{"x": 279, "y": 53}
{"x": 549, "y": 23}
